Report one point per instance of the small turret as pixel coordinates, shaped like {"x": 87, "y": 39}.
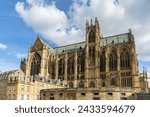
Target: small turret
{"x": 96, "y": 21}
{"x": 87, "y": 24}
{"x": 131, "y": 37}
{"x": 23, "y": 65}
{"x": 91, "y": 22}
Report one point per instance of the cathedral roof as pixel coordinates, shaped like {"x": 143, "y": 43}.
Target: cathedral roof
{"x": 105, "y": 41}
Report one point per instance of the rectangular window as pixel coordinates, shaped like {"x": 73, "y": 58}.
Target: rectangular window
{"x": 96, "y": 98}
{"x": 28, "y": 88}
{"x": 22, "y": 78}
{"x": 51, "y": 98}
{"x": 28, "y": 79}
{"x": 123, "y": 94}
{"x": 22, "y": 88}
{"x": 44, "y": 94}
{"x": 129, "y": 82}
{"x": 28, "y": 97}
{"x": 110, "y": 94}
{"x": 123, "y": 98}
{"x": 83, "y": 94}
{"x": 96, "y": 93}
{"x": 16, "y": 78}
{"x": 61, "y": 94}
{"x": 22, "y": 97}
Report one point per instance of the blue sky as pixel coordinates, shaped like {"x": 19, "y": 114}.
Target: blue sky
{"x": 15, "y": 34}
{"x": 62, "y": 22}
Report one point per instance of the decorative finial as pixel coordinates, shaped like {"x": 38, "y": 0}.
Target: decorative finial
{"x": 96, "y": 21}
{"x": 146, "y": 71}
{"x": 38, "y": 35}
{"x": 130, "y": 30}
{"x": 87, "y": 22}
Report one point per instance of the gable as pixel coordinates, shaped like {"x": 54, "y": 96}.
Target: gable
{"x": 38, "y": 45}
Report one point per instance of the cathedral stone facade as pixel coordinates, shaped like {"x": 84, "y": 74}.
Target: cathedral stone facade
{"x": 98, "y": 68}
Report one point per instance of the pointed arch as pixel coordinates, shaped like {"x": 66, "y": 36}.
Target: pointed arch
{"x": 91, "y": 36}
{"x": 70, "y": 69}
{"x": 51, "y": 67}
{"x": 92, "y": 84}
{"x": 103, "y": 85}
{"x": 71, "y": 84}
{"x": 92, "y": 55}
{"x": 80, "y": 63}
{"x": 35, "y": 64}
{"x": 113, "y": 61}
{"x": 102, "y": 62}
{"x": 61, "y": 66}
{"x": 113, "y": 82}
{"x": 81, "y": 84}
{"x": 124, "y": 59}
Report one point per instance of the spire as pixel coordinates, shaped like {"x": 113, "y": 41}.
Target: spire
{"x": 96, "y": 21}
{"x": 91, "y": 21}
{"x": 143, "y": 71}
{"x": 38, "y": 35}
{"x": 87, "y": 23}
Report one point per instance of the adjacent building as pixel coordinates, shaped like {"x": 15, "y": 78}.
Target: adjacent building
{"x": 15, "y": 86}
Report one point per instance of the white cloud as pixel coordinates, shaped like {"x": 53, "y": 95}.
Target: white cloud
{"x": 3, "y": 46}
{"x": 51, "y": 22}
{"x": 19, "y": 56}
{"x": 114, "y": 18}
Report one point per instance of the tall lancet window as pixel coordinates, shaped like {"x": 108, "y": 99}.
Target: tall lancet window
{"x": 35, "y": 64}
{"x": 70, "y": 65}
{"x": 102, "y": 62}
{"x": 80, "y": 63}
{"x": 124, "y": 60}
{"x": 113, "y": 61}
{"x": 92, "y": 55}
{"x": 91, "y": 37}
{"x": 61, "y": 67}
{"x": 51, "y": 68}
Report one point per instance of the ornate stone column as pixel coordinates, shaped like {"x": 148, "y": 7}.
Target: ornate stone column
{"x": 66, "y": 64}
{"x": 118, "y": 65}
{"x": 75, "y": 69}
{"x": 56, "y": 69}
{"x": 97, "y": 68}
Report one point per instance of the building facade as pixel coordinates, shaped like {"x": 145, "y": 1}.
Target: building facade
{"x": 15, "y": 86}
{"x": 99, "y": 63}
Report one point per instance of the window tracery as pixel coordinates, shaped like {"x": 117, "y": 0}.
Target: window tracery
{"x": 35, "y": 64}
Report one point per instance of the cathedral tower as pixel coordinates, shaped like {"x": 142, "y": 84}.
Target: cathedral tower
{"x": 91, "y": 53}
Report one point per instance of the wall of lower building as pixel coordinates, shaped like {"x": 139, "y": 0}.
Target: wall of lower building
{"x": 27, "y": 90}
{"x": 16, "y": 87}
{"x": 89, "y": 94}
{"x": 3, "y": 88}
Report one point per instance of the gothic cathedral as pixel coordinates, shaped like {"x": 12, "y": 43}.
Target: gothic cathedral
{"x": 98, "y": 68}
